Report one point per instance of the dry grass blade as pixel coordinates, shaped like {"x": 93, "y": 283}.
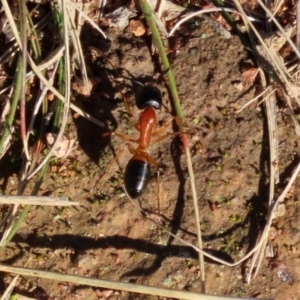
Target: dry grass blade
{"x": 77, "y": 46}
{"x": 129, "y": 287}
{"x": 40, "y": 100}
{"x": 273, "y": 142}
{"x": 87, "y": 18}
{"x": 257, "y": 97}
{"x": 6, "y": 295}
{"x": 199, "y": 13}
{"x": 270, "y": 103}
{"x": 161, "y": 8}
{"x": 37, "y": 200}
{"x": 196, "y": 212}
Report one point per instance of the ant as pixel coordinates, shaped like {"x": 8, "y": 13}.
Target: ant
{"x": 148, "y": 98}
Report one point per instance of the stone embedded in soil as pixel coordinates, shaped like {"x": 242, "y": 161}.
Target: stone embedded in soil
{"x": 284, "y": 274}
{"x": 136, "y": 27}
{"x": 280, "y": 210}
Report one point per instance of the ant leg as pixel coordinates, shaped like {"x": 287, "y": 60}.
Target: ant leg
{"x": 165, "y": 125}
{"x": 165, "y": 136}
{"x": 121, "y": 136}
{"x": 130, "y": 115}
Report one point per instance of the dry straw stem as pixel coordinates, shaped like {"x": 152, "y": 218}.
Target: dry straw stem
{"x": 176, "y": 101}
{"x": 37, "y": 200}
{"x": 6, "y": 295}
{"x": 107, "y": 284}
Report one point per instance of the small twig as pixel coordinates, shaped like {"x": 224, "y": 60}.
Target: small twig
{"x": 37, "y": 200}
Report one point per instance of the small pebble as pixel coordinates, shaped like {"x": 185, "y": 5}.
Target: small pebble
{"x": 193, "y": 52}
{"x": 137, "y": 27}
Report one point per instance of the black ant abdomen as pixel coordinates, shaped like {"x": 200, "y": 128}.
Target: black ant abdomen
{"x": 136, "y": 176}
{"x": 148, "y": 96}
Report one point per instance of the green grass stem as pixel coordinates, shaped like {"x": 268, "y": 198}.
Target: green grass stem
{"x": 162, "y": 53}
{"x": 14, "y": 104}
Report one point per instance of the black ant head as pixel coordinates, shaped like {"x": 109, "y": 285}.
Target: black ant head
{"x": 148, "y": 95}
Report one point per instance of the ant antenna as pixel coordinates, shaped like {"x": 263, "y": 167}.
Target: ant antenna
{"x": 132, "y": 80}
{"x": 161, "y": 75}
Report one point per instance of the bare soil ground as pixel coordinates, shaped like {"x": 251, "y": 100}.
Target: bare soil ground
{"x": 107, "y": 236}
